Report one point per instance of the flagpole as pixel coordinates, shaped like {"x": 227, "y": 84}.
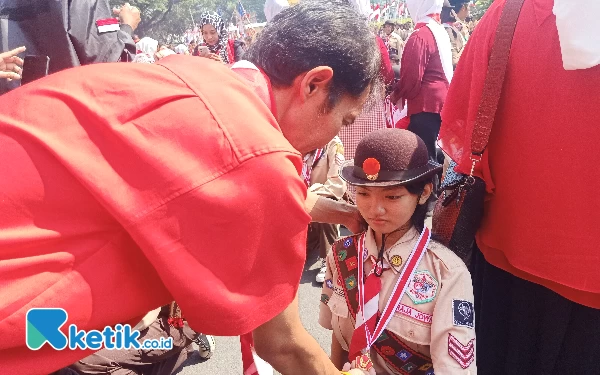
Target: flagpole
{"x": 194, "y": 27}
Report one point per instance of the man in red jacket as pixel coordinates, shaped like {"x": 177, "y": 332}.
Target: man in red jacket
{"x": 117, "y": 198}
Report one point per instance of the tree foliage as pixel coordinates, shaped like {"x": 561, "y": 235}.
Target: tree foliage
{"x": 167, "y": 20}
{"x": 480, "y": 8}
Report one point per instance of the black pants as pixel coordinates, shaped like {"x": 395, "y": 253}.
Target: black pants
{"x": 526, "y": 329}
{"x": 320, "y": 237}
{"x": 427, "y": 126}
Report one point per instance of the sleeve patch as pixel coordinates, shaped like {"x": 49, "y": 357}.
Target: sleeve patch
{"x": 463, "y": 354}
{"x": 463, "y": 314}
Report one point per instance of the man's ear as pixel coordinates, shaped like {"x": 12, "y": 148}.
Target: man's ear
{"x": 315, "y": 82}
{"x": 426, "y": 193}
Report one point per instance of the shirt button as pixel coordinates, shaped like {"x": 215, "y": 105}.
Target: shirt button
{"x": 411, "y": 333}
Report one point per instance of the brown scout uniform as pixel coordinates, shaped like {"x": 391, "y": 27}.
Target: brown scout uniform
{"x": 433, "y": 327}
{"x": 325, "y": 181}
{"x": 395, "y": 44}
{"x": 457, "y": 41}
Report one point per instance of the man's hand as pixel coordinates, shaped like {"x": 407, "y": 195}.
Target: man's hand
{"x": 356, "y": 223}
{"x": 128, "y": 15}
{"x": 10, "y": 64}
{"x": 324, "y": 210}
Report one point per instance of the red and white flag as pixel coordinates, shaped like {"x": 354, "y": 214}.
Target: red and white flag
{"x": 106, "y": 25}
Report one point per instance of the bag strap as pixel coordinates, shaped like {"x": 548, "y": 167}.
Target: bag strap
{"x": 494, "y": 80}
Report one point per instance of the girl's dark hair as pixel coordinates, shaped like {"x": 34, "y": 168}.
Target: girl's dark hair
{"x": 446, "y": 15}
{"x": 417, "y": 188}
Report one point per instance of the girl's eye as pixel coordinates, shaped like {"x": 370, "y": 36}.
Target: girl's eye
{"x": 394, "y": 197}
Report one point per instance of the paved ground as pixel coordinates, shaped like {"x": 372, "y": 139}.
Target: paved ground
{"x": 227, "y": 358}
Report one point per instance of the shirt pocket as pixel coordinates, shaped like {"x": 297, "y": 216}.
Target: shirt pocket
{"x": 338, "y": 306}
{"x": 410, "y": 330}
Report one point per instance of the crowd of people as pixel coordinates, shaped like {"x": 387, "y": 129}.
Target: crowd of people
{"x": 216, "y": 44}
{"x": 162, "y": 204}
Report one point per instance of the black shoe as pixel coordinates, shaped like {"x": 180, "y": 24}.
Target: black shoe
{"x": 206, "y": 344}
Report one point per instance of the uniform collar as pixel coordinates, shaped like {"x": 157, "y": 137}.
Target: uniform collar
{"x": 401, "y": 248}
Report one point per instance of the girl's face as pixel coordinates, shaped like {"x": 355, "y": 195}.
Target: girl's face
{"x": 388, "y": 208}
{"x": 210, "y": 35}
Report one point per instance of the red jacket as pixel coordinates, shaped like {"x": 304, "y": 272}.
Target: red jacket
{"x": 543, "y": 209}
{"x": 117, "y": 198}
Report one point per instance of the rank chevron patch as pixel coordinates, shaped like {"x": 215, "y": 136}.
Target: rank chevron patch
{"x": 463, "y": 354}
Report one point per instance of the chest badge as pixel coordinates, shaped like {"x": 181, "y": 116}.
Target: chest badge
{"x": 396, "y": 260}
{"x": 422, "y": 288}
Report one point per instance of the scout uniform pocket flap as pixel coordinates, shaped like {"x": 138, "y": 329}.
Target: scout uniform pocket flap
{"x": 338, "y": 306}
{"x": 410, "y": 330}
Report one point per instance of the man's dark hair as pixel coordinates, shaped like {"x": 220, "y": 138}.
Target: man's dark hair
{"x": 312, "y": 34}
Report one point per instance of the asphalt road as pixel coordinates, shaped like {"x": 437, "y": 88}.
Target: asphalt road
{"x": 227, "y": 358}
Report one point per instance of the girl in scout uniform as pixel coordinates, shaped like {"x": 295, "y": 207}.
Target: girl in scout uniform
{"x": 396, "y": 301}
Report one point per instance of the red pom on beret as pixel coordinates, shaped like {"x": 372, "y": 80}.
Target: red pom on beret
{"x": 371, "y": 166}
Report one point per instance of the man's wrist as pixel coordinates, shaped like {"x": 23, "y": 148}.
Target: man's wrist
{"x": 348, "y": 213}
{"x": 127, "y": 28}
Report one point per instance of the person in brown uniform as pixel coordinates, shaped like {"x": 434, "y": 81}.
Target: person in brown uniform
{"x": 320, "y": 171}
{"x": 416, "y": 313}
{"x": 453, "y": 15}
{"x": 392, "y": 40}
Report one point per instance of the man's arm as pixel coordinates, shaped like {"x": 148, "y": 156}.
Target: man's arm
{"x": 413, "y": 63}
{"x": 285, "y": 344}
{"x": 323, "y": 210}
{"x": 95, "y": 46}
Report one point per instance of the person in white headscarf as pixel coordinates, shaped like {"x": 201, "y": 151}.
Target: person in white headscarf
{"x": 182, "y": 49}
{"x": 146, "y": 50}
{"x": 426, "y": 71}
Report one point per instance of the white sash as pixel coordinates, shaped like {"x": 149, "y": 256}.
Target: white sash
{"x": 442, "y": 39}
